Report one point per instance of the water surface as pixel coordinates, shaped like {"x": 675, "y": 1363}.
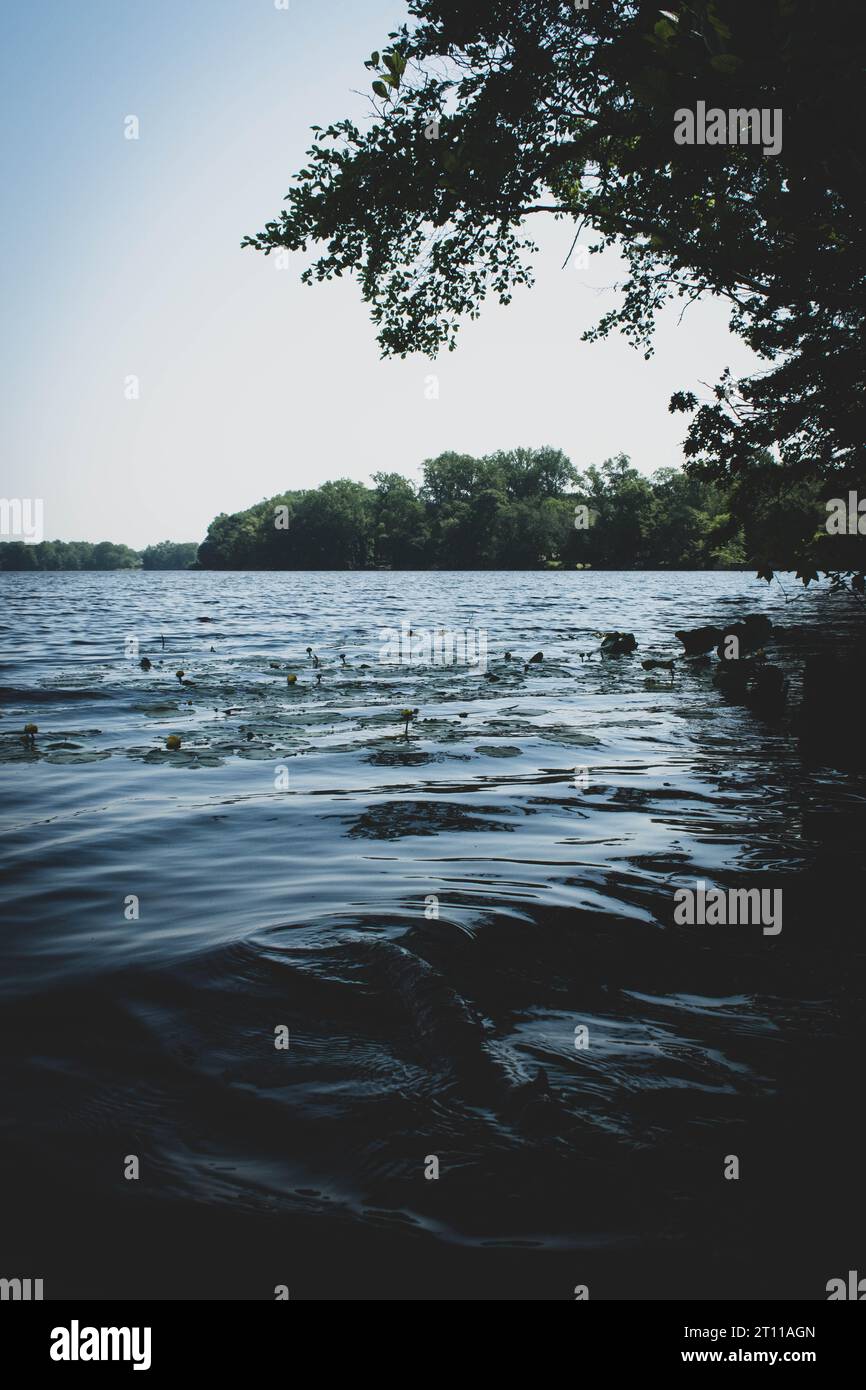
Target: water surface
{"x": 432, "y": 916}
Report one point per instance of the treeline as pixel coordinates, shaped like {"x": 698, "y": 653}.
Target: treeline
{"x": 515, "y": 509}
{"x": 100, "y": 555}
{"x": 520, "y": 509}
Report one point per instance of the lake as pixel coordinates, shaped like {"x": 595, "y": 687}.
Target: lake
{"x": 389, "y": 1006}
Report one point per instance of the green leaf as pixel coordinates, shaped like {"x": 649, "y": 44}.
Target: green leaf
{"x": 664, "y": 30}
{"x": 396, "y": 64}
{"x": 380, "y": 89}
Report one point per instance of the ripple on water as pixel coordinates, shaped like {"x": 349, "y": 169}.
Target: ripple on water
{"x": 432, "y": 913}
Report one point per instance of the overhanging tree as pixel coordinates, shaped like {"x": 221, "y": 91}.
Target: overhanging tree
{"x": 487, "y": 115}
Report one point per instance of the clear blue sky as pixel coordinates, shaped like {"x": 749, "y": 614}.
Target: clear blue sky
{"x": 122, "y": 257}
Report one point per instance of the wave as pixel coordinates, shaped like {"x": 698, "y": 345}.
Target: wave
{"x": 26, "y": 695}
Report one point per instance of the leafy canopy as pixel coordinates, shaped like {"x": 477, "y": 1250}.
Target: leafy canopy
{"x": 485, "y": 115}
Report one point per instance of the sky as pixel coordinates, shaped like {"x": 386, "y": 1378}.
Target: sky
{"x": 121, "y": 259}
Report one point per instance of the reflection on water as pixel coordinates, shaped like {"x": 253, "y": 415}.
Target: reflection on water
{"x": 442, "y": 914}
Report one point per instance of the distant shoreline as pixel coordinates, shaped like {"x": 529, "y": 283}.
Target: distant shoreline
{"x": 381, "y": 569}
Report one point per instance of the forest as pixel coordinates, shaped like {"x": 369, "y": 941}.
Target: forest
{"x": 518, "y": 509}
{"x": 522, "y": 509}
{"x": 102, "y": 555}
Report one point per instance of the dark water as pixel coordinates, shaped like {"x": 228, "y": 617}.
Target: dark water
{"x": 431, "y": 917}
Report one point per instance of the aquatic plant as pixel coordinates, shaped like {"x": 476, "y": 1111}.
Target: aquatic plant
{"x": 407, "y": 715}
{"x": 30, "y": 732}
{"x": 172, "y": 743}
{"x": 291, "y": 679}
